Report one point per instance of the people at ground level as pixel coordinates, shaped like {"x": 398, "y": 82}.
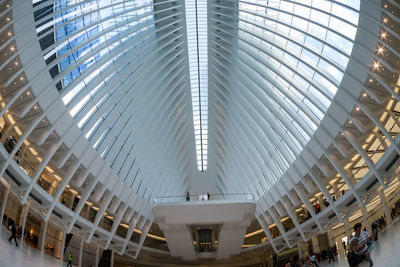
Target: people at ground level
{"x": 313, "y": 260}
{"x": 359, "y": 246}
{"x": 331, "y": 254}
{"x": 69, "y": 258}
{"x": 352, "y": 256}
{"x": 307, "y": 263}
{"x": 13, "y": 234}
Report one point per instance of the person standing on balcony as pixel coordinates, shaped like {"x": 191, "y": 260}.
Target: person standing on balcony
{"x": 187, "y": 196}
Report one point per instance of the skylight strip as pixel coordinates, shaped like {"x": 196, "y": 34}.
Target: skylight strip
{"x": 196, "y": 22}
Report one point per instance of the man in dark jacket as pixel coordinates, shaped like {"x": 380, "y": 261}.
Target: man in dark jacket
{"x": 13, "y": 234}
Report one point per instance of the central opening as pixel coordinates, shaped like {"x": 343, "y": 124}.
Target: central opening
{"x": 196, "y": 25}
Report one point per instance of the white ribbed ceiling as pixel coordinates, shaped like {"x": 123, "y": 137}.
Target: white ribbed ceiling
{"x": 160, "y": 88}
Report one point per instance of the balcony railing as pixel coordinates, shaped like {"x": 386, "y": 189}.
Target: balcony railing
{"x": 203, "y": 197}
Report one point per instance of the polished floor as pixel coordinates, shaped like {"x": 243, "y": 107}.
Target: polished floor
{"x": 23, "y": 255}
{"x": 385, "y": 253}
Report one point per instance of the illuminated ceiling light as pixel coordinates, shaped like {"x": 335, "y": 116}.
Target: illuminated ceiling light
{"x": 12, "y": 48}
{"x": 34, "y": 107}
{"x": 385, "y": 20}
{"x": 376, "y": 65}
{"x": 16, "y": 63}
{"x": 9, "y": 33}
{"x": 380, "y": 50}
{"x": 364, "y": 94}
{"x": 383, "y": 35}
{"x": 21, "y": 78}
{"x": 8, "y": 19}
{"x": 371, "y": 80}
{"x": 357, "y": 108}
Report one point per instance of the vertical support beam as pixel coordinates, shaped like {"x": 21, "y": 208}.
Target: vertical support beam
{"x": 25, "y": 211}
{"x": 366, "y": 221}
{"x": 72, "y": 202}
{"x": 42, "y": 236}
{"x": 315, "y": 243}
{"x": 80, "y": 258}
{"x": 385, "y": 207}
{"x": 320, "y": 199}
{"x": 3, "y": 204}
{"x": 97, "y": 257}
{"x": 335, "y": 190}
{"x": 347, "y": 227}
{"x": 331, "y": 241}
{"x": 64, "y": 235}
{"x": 112, "y": 259}
{"x": 270, "y": 260}
{"x": 302, "y": 248}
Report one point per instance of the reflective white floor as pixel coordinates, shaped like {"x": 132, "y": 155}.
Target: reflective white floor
{"x": 24, "y": 255}
{"x": 385, "y": 253}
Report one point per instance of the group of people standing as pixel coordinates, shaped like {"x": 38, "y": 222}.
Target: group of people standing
{"x": 315, "y": 258}
{"x": 201, "y": 197}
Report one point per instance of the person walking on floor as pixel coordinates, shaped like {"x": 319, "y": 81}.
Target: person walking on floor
{"x": 313, "y": 260}
{"x": 363, "y": 239}
{"x": 69, "y": 258}
{"x": 331, "y": 254}
{"x": 13, "y": 234}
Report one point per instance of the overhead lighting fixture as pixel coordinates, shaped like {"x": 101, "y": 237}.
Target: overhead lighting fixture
{"x": 376, "y": 65}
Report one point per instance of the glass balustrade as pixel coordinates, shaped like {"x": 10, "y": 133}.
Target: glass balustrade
{"x": 202, "y": 197}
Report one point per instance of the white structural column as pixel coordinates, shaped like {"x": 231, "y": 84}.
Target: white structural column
{"x": 80, "y": 257}
{"x": 367, "y": 223}
{"x": 97, "y": 257}
{"x": 4, "y": 203}
{"x": 42, "y": 234}
{"x": 348, "y": 228}
{"x": 303, "y": 249}
{"x": 25, "y": 211}
{"x": 294, "y": 98}
{"x": 64, "y": 235}
{"x": 112, "y": 259}
{"x": 385, "y": 206}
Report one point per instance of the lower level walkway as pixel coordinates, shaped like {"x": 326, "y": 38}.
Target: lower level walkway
{"x": 23, "y": 255}
{"x": 386, "y": 251}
